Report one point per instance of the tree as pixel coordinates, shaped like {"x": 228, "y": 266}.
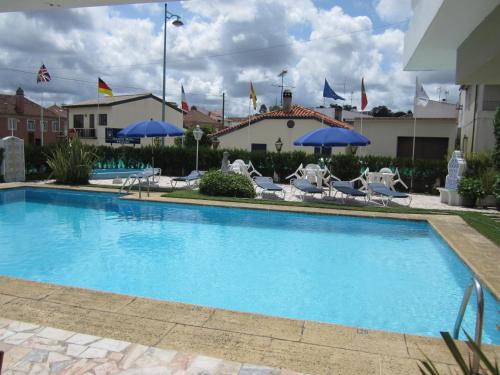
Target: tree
{"x": 189, "y": 140}
{"x": 349, "y": 107}
{"x": 399, "y": 114}
{"x": 381, "y": 111}
{"x": 263, "y": 108}
{"x": 274, "y": 108}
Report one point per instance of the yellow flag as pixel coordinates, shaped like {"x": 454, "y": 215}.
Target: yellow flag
{"x": 253, "y": 96}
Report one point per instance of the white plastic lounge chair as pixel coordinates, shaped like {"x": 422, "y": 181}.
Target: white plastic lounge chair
{"x": 267, "y": 184}
{"x": 239, "y": 167}
{"x": 347, "y": 190}
{"x": 398, "y": 180}
{"x": 305, "y": 187}
{"x": 191, "y": 178}
{"x": 363, "y": 179}
{"x": 386, "y": 194}
{"x": 299, "y": 173}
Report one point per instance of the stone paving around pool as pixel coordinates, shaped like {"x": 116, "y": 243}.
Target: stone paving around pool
{"x": 34, "y": 349}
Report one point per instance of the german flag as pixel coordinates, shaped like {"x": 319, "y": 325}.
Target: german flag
{"x": 103, "y": 88}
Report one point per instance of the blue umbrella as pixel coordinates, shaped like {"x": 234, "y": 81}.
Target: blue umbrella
{"x": 331, "y": 137}
{"x": 150, "y": 128}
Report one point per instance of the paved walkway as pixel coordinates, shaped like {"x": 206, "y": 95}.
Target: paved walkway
{"x": 34, "y": 349}
{"x": 418, "y": 200}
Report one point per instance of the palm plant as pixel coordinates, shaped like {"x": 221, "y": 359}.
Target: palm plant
{"x": 467, "y": 367}
{"x": 71, "y": 162}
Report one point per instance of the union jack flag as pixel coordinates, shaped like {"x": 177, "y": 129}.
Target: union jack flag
{"x": 43, "y": 75}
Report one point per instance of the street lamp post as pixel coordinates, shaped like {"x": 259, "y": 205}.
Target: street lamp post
{"x": 279, "y": 145}
{"x": 197, "y": 133}
{"x": 177, "y": 22}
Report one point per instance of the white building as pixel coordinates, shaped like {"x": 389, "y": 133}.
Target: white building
{"x": 461, "y": 35}
{"x": 98, "y": 122}
{"x": 478, "y": 104}
{"x": 262, "y": 131}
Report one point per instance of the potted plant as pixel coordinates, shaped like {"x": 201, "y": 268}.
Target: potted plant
{"x": 470, "y": 189}
{"x": 488, "y": 184}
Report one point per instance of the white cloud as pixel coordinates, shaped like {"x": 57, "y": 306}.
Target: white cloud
{"x": 223, "y": 45}
{"x": 393, "y": 10}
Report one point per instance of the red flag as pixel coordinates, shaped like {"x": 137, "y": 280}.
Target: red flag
{"x": 184, "y": 103}
{"x": 364, "y": 99}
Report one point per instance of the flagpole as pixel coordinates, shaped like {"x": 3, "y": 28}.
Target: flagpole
{"x": 41, "y": 122}
{"x": 248, "y": 133}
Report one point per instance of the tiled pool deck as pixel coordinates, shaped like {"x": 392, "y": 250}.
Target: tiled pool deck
{"x": 33, "y": 349}
{"x": 303, "y": 346}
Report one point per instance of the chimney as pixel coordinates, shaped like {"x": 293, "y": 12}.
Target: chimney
{"x": 19, "y": 101}
{"x": 338, "y": 113}
{"x": 287, "y": 101}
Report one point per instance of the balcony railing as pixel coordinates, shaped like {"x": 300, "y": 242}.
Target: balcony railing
{"x": 86, "y": 133}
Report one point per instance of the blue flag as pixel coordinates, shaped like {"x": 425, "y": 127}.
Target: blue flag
{"x": 329, "y": 93}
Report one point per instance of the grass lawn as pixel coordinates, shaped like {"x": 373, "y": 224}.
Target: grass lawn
{"x": 482, "y": 223}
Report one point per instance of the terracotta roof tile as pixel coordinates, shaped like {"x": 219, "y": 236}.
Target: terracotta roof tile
{"x": 297, "y": 112}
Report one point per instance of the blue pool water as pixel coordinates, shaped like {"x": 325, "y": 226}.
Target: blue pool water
{"x": 109, "y": 173}
{"x": 374, "y": 273}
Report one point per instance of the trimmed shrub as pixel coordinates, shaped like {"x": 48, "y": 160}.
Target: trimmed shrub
{"x": 217, "y": 183}
{"x": 470, "y": 188}
{"x": 179, "y": 161}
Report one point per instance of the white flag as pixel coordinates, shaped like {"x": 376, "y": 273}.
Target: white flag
{"x": 421, "y": 97}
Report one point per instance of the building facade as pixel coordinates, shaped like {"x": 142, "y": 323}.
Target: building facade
{"x": 478, "y": 104}
{"x": 22, "y": 118}
{"x": 261, "y": 132}
{"x": 98, "y": 122}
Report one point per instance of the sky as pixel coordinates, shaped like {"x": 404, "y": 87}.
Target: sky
{"x": 223, "y": 45}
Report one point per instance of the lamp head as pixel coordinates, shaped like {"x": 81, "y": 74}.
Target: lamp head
{"x": 177, "y": 22}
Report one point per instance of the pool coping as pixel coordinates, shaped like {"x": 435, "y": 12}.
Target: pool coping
{"x": 301, "y": 345}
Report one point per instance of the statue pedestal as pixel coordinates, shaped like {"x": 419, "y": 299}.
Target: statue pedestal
{"x": 450, "y": 197}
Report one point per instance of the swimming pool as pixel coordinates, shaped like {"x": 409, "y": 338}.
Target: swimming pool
{"x": 109, "y": 173}
{"x": 375, "y": 273}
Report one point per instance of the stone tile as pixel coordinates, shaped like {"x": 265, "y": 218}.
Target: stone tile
{"x": 57, "y": 357}
{"x": 75, "y": 350}
{"x": 110, "y": 344}
{"x": 168, "y": 311}
{"x": 117, "y": 357}
{"x": 55, "y": 334}
{"x": 36, "y": 355}
{"x": 261, "y": 325}
{"x": 18, "y": 338}
{"x": 91, "y": 353}
{"x": 4, "y": 322}
{"x": 228, "y": 345}
{"x": 22, "y": 326}
{"x": 14, "y": 355}
{"x": 399, "y": 366}
{"x": 24, "y": 288}
{"x": 202, "y": 364}
{"x": 366, "y": 340}
{"x": 5, "y": 347}
{"x": 42, "y": 343}
{"x": 81, "y": 339}
{"x": 5, "y": 299}
{"x": 146, "y": 370}
{"x": 133, "y": 353}
{"x": 156, "y": 357}
{"x": 79, "y": 368}
{"x": 181, "y": 362}
{"x": 89, "y": 299}
{"x": 434, "y": 348}
{"x": 248, "y": 369}
{"x": 320, "y": 359}
{"x": 106, "y": 369}
{"x": 5, "y": 333}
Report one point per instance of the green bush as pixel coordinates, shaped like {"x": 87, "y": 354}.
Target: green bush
{"x": 478, "y": 163}
{"x": 72, "y": 162}
{"x": 177, "y": 161}
{"x": 218, "y": 183}
{"x": 470, "y": 189}
{"x": 496, "y": 127}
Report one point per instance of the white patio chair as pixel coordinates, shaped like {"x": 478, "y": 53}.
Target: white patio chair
{"x": 398, "y": 180}
{"x": 363, "y": 179}
{"x": 299, "y": 173}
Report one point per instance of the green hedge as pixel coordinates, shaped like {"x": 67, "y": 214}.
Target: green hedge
{"x": 1, "y": 159}
{"x": 177, "y": 161}
{"x": 218, "y": 183}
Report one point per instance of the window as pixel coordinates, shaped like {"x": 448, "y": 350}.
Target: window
{"x": 491, "y": 97}
{"x": 78, "y": 121}
{"x": 259, "y": 147}
{"x": 103, "y": 119}
{"x": 45, "y": 126}
{"x": 30, "y": 125}
{"x": 428, "y": 148}
{"x": 92, "y": 121}
{"x": 323, "y": 151}
{"x": 12, "y": 124}
{"x": 55, "y": 126}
